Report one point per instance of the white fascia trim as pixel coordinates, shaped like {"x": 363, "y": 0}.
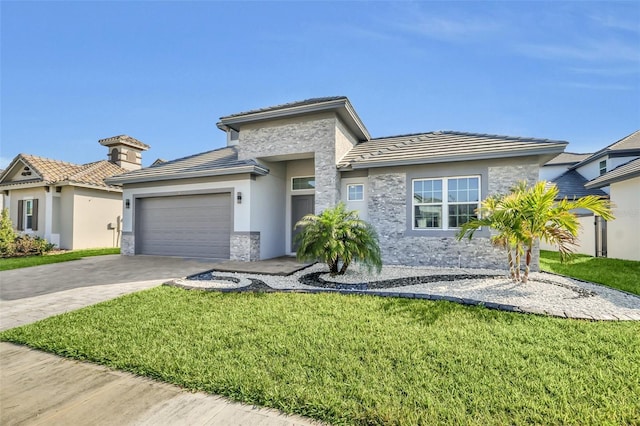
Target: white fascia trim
{"x": 86, "y": 185}
{"x": 221, "y": 172}
{"x": 18, "y": 185}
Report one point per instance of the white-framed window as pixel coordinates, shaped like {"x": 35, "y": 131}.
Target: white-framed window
{"x": 445, "y": 203}
{"x": 28, "y": 215}
{"x": 603, "y": 167}
{"x": 355, "y": 192}
{"x": 302, "y": 183}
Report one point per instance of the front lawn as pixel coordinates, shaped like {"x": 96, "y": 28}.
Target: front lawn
{"x": 615, "y": 273}
{"x": 362, "y": 359}
{"x": 27, "y": 261}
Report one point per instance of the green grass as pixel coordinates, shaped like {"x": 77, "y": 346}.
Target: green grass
{"x": 615, "y": 273}
{"x": 25, "y": 262}
{"x": 362, "y": 359}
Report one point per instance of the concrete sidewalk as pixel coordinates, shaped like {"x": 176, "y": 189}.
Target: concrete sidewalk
{"x": 37, "y": 388}
{"x": 43, "y": 389}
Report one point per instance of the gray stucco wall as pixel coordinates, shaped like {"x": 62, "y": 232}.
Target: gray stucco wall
{"x": 389, "y": 208}
{"x": 314, "y": 135}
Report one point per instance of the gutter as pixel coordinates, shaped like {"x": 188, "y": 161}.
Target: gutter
{"x": 255, "y": 170}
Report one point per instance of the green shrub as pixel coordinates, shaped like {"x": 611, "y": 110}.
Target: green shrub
{"x": 27, "y": 245}
{"x": 7, "y": 235}
{"x": 14, "y": 245}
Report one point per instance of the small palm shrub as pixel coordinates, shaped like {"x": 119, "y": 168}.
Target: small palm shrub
{"x": 338, "y": 237}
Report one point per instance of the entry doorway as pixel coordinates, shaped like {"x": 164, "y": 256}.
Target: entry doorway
{"x": 301, "y": 205}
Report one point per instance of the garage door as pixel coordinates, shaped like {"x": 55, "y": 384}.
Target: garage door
{"x": 186, "y": 225}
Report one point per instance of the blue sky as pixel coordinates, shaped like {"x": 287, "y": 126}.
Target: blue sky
{"x": 164, "y": 72}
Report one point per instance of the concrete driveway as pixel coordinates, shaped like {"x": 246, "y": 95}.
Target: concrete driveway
{"x": 95, "y": 271}
{"x": 39, "y": 388}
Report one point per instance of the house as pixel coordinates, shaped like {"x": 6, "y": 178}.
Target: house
{"x": 623, "y": 233}
{"x": 573, "y": 174}
{"x": 282, "y": 162}
{"x": 70, "y": 205}
{"x": 570, "y": 185}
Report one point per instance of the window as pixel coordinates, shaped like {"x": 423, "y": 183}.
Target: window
{"x": 299, "y": 183}
{"x": 28, "y": 214}
{"x": 355, "y": 192}
{"x": 445, "y": 203}
{"x": 603, "y": 167}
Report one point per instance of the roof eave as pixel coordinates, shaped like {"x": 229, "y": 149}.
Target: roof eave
{"x": 608, "y": 181}
{"x": 107, "y": 188}
{"x": 451, "y": 159}
{"x": 24, "y": 184}
{"x": 349, "y": 115}
{"x": 254, "y": 170}
{"x": 610, "y": 152}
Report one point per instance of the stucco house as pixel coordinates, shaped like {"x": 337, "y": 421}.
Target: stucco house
{"x": 70, "y": 205}
{"x": 577, "y": 175}
{"x": 282, "y": 162}
{"x": 623, "y": 233}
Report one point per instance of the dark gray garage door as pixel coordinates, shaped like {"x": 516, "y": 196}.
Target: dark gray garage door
{"x": 185, "y": 225}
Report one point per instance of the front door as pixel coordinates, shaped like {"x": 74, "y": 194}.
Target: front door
{"x": 301, "y": 205}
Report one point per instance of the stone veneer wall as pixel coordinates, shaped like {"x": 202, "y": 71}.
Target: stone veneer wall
{"x": 245, "y": 246}
{"x": 314, "y": 135}
{"x": 387, "y": 213}
{"x": 127, "y": 244}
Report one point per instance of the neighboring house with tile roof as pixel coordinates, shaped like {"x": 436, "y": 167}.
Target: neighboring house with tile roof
{"x": 559, "y": 165}
{"x": 577, "y": 175}
{"x": 623, "y": 233}
{"x": 70, "y": 205}
{"x": 242, "y": 201}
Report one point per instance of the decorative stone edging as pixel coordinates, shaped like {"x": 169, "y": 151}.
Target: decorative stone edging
{"x": 262, "y": 287}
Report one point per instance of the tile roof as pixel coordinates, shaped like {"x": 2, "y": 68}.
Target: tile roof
{"x": 51, "y": 171}
{"x": 628, "y": 144}
{"x": 623, "y": 172}
{"x": 223, "y": 161}
{"x": 124, "y": 140}
{"x": 631, "y": 141}
{"x": 571, "y": 185}
{"x": 443, "y": 146}
{"x": 295, "y": 104}
{"x": 567, "y": 158}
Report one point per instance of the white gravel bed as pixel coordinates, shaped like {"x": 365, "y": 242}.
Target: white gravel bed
{"x": 544, "y": 293}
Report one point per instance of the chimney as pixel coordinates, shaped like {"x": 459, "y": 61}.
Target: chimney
{"x": 125, "y": 151}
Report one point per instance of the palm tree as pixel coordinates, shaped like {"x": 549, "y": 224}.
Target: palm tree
{"x": 554, "y": 222}
{"x": 528, "y": 215}
{"x": 338, "y": 237}
{"x": 493, "y": 214}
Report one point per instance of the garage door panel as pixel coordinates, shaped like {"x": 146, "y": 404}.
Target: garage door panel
{"x": 190, "y": 225}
